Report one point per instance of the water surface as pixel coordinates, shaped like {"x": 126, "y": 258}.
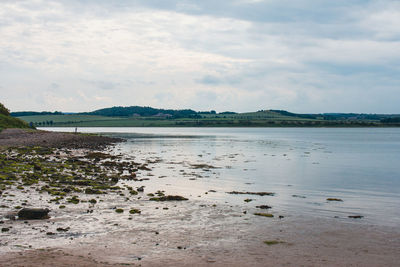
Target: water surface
{"x": 302, "y": 166}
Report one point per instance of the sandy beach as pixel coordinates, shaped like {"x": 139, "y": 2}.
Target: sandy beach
{"x": 193, "y": 232}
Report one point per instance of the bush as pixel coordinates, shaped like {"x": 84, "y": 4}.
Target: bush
{"x": 4, "y": 110}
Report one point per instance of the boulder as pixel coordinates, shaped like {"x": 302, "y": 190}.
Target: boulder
{"x": 33, "y": 214}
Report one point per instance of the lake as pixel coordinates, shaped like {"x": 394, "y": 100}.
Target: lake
{"x": 302, "y": 166}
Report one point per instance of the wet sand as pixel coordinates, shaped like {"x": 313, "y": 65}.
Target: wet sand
{"x": 220, "y": 239}
{"x": 185, "y": 233}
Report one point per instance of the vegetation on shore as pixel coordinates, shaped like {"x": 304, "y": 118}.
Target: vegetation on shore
{"x": 6, "y": 121}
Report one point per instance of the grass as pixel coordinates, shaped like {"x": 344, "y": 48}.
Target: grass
{"x": 11, "y": 122}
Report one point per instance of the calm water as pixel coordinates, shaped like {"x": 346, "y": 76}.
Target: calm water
{"x": 360, "y": 166}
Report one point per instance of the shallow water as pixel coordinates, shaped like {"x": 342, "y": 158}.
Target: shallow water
{"x": 360, "y": 166}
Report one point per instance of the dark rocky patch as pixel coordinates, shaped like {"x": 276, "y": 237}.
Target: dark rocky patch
{"x": 33, "y": 214}
{"x": 265, "y": 207}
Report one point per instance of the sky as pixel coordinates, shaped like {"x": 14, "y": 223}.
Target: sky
{"x": 305, "y": 56}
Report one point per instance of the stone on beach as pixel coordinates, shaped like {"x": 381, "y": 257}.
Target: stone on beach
{"x": 33, "y": 214}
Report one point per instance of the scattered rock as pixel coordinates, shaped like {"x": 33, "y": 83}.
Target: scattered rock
{"x": 11, "y": 215}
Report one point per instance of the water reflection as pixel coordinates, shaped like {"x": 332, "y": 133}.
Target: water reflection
{"x": 302, "y": 166}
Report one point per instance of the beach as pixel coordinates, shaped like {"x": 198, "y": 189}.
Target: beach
{"x": 100, "y": 220}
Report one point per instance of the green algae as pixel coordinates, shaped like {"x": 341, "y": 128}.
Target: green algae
{"x": 135, "y": 211}
{"x": 334, "y": 199}
{"x": 273, "y": 242}
{"x": 168, "y": 198}
{"x": 93, "y": 201}
{"x": 269, "y": 215}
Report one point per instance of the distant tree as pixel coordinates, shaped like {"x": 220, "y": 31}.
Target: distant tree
{"x": 391, "y": 120}
{"x": 33, "y": 113}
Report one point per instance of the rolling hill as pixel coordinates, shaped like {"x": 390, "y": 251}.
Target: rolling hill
{"x": 136, "y": 116}
{"x": 7, "y": 121}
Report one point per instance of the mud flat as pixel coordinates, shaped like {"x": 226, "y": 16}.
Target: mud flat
{"x": 23, "y": 137}
{"x": 101, "y": 214}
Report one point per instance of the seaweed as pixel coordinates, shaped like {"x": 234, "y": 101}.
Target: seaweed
{"x": 168, "y": 198}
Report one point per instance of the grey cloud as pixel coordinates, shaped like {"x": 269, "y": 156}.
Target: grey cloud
{"x": 103, "y": 85}
{"x": 299, "y": 55}
{"x": 209, "y": 80}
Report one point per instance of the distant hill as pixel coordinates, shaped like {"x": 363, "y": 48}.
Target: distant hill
{"x": 142, "y": 111}
{"x": 341, "y": 116}
{"x": 6, "y": 121}
{"x": 136, "y": 116}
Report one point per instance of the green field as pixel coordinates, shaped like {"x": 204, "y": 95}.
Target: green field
{"x": 252, "y": 119}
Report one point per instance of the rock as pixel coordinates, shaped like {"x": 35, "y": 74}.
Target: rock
{"x": 263, "y": 207}
{"x": 11, "y": 215}
{"x": 140, "y": 189}
{"x": 33, "y": 214}
{"x": 356, "y": 216}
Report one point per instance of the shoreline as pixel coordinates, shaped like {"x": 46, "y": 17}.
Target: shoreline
{"x": 193, "y": 232}
{"x": 28, "y": 137}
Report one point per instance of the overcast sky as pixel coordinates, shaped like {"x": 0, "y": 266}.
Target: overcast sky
{"x": 238, "y": 55}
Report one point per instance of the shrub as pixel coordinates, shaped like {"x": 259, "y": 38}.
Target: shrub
{"x": 4, "y": 110}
